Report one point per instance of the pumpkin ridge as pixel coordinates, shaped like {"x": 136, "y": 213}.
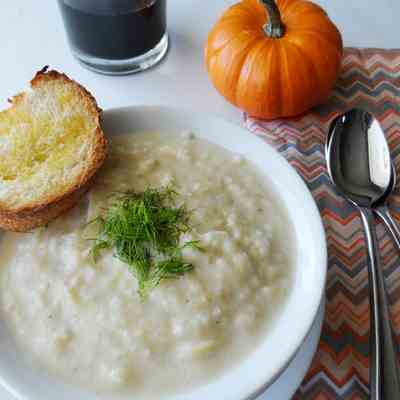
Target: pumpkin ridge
{"x": 251, "y": 9}
{"x": 319, "y": 73}
{"x": 218, "y": 50}
{"x": 287, "y": 105}
{"x": 306, "y": 57}
{"x": 292, "y": 8}
{"x": 319, "y": 37}
{"x": 238, "y": 67}
{"x": 267, "y": 47}
{"x": 246, "y": 60}
{"x": 296, "y": 24}
{"x": 283, "y": 5}
{"x": 275, "y": 49}
{"x": 314, "y": 71}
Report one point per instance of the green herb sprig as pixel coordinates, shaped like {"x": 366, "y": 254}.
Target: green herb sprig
{"x": 144, "y": 230}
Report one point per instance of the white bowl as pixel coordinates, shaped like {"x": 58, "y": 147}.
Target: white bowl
{"x": 253, "y": 375}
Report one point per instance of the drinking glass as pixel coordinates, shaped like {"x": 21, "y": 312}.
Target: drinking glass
{"x": 116, "y": 37}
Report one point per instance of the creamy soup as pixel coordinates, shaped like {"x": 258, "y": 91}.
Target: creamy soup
{"x": 86, "y": 322}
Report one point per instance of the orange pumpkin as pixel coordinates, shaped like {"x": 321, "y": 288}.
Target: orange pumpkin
{"x": 274, "y": 59}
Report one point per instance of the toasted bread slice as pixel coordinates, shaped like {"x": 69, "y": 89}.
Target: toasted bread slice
{"x": 51, "y": 146}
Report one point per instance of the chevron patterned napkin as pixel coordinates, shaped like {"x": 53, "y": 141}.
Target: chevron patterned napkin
{"x": 370, "y": 78}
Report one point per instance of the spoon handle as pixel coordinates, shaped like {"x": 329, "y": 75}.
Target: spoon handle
{"x": 384, "y": 377}
{"x": 384, "y": 214}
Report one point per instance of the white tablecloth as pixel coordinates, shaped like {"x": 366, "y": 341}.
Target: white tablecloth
{"x": 32, "y": 36}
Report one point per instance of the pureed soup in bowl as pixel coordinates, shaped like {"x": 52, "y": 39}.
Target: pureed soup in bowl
{"x": 87, "y": 319}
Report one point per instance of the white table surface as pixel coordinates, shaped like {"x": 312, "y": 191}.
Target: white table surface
{"x": 32, "y": 36}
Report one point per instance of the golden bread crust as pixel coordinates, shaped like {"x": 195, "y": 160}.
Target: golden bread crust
{"x": 41, "y": 211}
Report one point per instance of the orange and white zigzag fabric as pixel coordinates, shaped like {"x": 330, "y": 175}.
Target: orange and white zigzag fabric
{"x": 370, "y": 79}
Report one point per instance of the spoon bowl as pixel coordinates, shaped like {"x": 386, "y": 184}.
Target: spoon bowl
{"x": 358, "y": 158}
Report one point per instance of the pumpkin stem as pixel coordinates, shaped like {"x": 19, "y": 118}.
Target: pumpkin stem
{"x": 274, "y": 27}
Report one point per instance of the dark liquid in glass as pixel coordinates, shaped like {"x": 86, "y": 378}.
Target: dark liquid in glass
{"x": 115, "y": 35}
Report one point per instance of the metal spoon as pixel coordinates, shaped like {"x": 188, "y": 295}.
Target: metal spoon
{"x": 383, "y": 212}
{"x": 359, "y": 165}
